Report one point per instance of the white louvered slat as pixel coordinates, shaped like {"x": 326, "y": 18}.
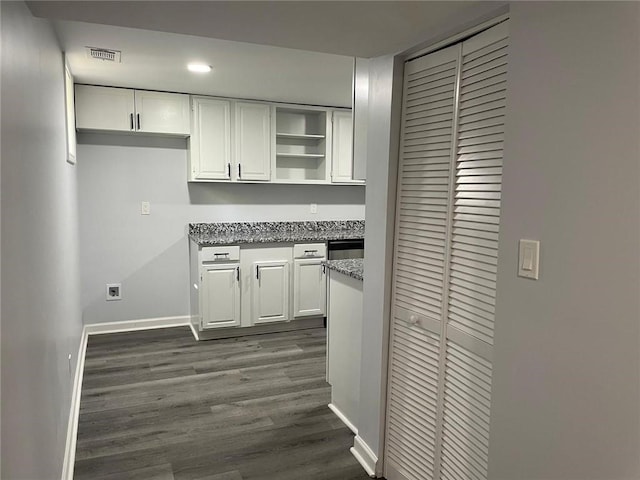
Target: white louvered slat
{"x": 464, "y": 435}
{"x": 424, "y": 182}
{"x": 445, "y": 262}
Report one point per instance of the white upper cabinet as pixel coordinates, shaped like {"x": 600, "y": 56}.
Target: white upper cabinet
{"x": 104, "y": 108}
{"x": 210, "y": 142}
{"x": 252, "y": 141}
{"x": 125, "y": 110}
{"x": 342, "y": 148}
{"x": 159, "y": 112}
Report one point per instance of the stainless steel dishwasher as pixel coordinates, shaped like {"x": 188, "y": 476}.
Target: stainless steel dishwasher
{"x": 341, "y": 249}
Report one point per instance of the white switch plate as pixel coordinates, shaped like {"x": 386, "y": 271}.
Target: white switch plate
{"x": 145, "y": 208}
{"x": 313, "y": 208}
{"x": 529, "y": 259}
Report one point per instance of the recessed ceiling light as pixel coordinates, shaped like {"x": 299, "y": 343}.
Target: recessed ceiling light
{"x": 199, "y": 68}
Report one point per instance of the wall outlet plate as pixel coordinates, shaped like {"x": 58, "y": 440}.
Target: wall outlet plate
{"x": 114, "y": 291}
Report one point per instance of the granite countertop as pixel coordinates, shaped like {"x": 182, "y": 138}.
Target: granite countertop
{"x": 209, "y": 234}
{"x": 353, "y": 267}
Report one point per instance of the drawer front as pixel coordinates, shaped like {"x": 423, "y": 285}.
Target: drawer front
{"x": 220, "y": 254}
{"x": 310, "y": 250}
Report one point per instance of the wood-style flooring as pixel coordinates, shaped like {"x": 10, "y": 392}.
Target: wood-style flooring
{"x": 158, "y": 405}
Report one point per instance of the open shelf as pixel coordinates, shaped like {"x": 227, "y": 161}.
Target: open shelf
{"x": 301, "y": 144}
{"x": 300, "y": 136}
{"x": 300, "y": 155}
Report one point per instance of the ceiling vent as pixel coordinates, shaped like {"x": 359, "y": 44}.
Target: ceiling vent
{"x": 103, "y": 54}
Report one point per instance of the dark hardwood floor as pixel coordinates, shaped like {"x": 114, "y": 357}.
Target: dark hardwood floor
{"x": 158, "y": 405}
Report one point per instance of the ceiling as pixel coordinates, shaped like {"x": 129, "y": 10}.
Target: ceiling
{"x": 157, "y": 61}
{"x": 353, "y": 28}
{"x": 292, "y": 51}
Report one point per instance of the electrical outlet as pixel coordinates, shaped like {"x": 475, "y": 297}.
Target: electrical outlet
{"x": 114, "y": 291}
{"x": 313, "y": 208}
{"x": 145, "y": 208}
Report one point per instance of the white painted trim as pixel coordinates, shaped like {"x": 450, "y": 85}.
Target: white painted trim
{"x": 364, "y": 455}
{"x": 194, "y": 331}
{"x": 141, "y": 324}
{"x": 74, "y": 411}
{"x": 342, "y": 417}
{"x": 458, "y": 37}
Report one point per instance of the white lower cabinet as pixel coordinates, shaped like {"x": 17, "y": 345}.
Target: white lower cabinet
{"x": 256, "y": 284}
{"x": 220, "y": 293}
{"x": 309, "y": 288}
{"x": 270, "y": 288}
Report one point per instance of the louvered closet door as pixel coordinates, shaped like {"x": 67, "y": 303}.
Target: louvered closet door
{"x": 424, "y": 183}
{"x": 474, "y": 256}
{"x": 448, "y": 216}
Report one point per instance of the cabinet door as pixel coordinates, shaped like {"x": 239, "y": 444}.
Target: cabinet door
{"x": 342, "y": 148}
{"x": 270, "y": 292}
{"x": 159, "y": 112}
{"x": 253, "y": 141}
{"x": 104, "y": 108}
{"x": 309, "y": 288}
{"x": 210, "y": 142}
{"x": 220, "y": 295}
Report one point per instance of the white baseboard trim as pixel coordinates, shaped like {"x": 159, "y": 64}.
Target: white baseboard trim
{"x": 194, "y": 331}
{"x": 141, "y": 324}
{"x": 342, "y": 417}
{"x": 365, "y": 456}
{"x": 74, "y": 411}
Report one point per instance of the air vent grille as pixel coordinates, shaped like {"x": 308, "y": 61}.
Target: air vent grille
{"x": 103, "y": 54}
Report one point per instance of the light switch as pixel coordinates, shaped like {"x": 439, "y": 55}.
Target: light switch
{"x": 528, "y": 259}
{"x": 145, "y": 208}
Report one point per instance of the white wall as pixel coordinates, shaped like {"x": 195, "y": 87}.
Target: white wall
{"x": 385, "y": 80}
{"x": 41, "y": 321}
{"x": 566, "y": 400}
{"x": 149, "y": 254}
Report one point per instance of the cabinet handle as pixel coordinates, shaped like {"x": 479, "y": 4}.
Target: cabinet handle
{"x": 229, "y": 170}
{"x": 257, "y": 272}
{"x": 138, "y": 117}
{"x": 238, "y": 274}
{"x": 131, "y": 120}
{"x": 324, "y": 269}
{"x": 239, "y": 171}
{"x": 226, "y": 254}
{"x": 310, "y": 252}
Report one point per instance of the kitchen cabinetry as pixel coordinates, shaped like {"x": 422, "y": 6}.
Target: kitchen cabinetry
{"x": 265, "y": 283}
{"x": 126, "y": 110}
{"x": 213, "y": 156}
{"x": 309, "y": 285}
{"x": 220, "y": 296}
{"x": 342, "y": 148}
{"x": 270, "y": 292}
{"x": 210, "y": 142}
{"x": 253, "y": 141}
{"x": 301, "y": 140}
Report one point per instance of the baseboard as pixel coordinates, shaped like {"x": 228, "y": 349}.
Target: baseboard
{"x": 293, "y": 325}
{"x": 141, "y": 324}
{"x": 364, "y": 455}
{"x": 74, "y": 411}
{"x": 342, "y": 417}
{"x": 194, "y": 331}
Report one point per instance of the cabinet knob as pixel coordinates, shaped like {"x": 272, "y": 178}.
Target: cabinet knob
{"x": 414, "y": 320}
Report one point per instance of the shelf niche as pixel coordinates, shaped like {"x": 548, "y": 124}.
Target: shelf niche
{"x": 301, "y": 145}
